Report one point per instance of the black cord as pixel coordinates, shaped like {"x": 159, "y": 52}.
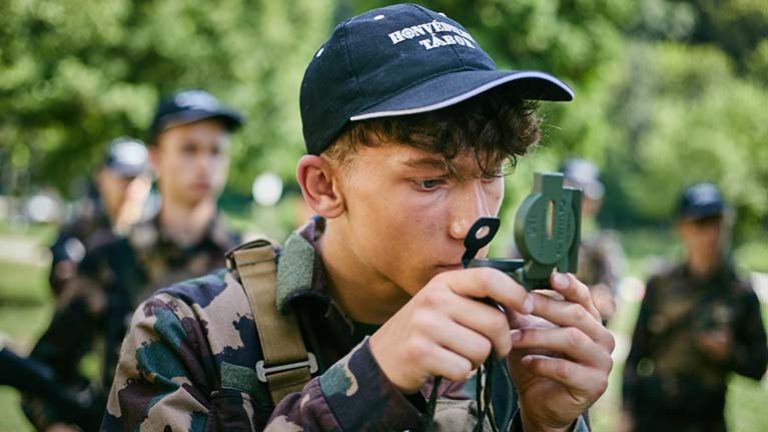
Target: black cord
{"x": 429, "y": 417}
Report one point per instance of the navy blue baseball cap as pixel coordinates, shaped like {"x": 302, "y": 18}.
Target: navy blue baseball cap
{"x": 127, "y": 157}
{"x": 189, "y": 106}
{"x": 400, "y": 60}
{"x": 701, "y": 201}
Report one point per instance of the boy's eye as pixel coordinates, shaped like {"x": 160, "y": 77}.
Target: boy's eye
{"x": 189, "y": 149}
{"x": 430, "y": 184}
{"x": 491, "y": 178}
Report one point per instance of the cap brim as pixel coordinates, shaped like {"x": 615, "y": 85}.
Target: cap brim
{"x": 704, "y": 212}
{"x": 232, "y": 121}
{"x": 127, "y": 171}
{"x": 454, "y": 87}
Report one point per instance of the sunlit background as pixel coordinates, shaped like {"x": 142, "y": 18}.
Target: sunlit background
{"x": 667, "y": 93}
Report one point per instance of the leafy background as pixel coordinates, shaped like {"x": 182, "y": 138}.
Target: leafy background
{"x": 668, "y": 92}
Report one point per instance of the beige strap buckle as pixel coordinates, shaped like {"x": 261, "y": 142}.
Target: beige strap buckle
{"x": 262, "y": 372}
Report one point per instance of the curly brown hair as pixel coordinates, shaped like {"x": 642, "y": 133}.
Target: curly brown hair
{"x": 492, "y": 127}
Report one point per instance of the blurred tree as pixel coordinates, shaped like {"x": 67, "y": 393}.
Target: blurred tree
{"x": 691, "y": 119}
{"x": 667, "y": 91}
{"x": 75, "y": 74}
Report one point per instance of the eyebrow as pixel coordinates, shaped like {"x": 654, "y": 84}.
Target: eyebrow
{"x": 426, "y": 162}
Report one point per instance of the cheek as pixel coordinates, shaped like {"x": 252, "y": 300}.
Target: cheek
{"x": 393, "y": 232}
{"x": 494, "y": 194}
{"x": 220, "y": 168}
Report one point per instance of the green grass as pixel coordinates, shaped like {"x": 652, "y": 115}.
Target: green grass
{"x": 39, "y": 232}
{"x": 26, "y": 307}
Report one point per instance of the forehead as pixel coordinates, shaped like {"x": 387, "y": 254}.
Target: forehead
{"x": 396, "y": 156}
{"x": 203, "y": 129}
{"x": 703, "y": 223}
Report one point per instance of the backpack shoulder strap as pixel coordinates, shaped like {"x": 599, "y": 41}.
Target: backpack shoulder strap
{"x": 287, "y": 365}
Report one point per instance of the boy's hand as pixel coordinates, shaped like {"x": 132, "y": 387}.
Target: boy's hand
{"x": 445, "y": 331}
{"x": 561, "y": 356}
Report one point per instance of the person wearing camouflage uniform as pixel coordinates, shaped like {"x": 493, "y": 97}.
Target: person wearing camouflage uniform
{"x": 698, "y": 323}
{"x": 109, "y": 193}
{"x": 185, "y": 239}
{"x": 601, "y": 257}
{"x": 407, "y": 123}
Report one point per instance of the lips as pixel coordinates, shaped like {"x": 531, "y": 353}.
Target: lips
{"x": 446, "y": 267}
{"x": 202, "y": 185}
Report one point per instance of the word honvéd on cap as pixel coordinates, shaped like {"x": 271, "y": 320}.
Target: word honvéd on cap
{"x": 433, "y": 40}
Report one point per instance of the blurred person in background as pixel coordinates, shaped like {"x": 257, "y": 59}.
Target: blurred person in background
{"x": 116, "y": 195}
{"x": 189, "y": 141}
{"x": 601, "y": 257}
{"x": 698, "y": 323}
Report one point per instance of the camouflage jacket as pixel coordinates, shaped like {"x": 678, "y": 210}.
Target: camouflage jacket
{"x": 90, "y": 229}
{"x": 601, "y": 261}
{"x": 666, "y": 374}
{"x": 188, "y": 363}
{"x": 94, "y": 308}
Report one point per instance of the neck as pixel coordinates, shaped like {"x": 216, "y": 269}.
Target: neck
{"x": 363, "y": 293}
{"x": 701, "y": 265}
{"x": 186, "y": 224}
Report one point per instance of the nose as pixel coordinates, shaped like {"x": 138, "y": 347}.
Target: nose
{"x": 473, "y": 204}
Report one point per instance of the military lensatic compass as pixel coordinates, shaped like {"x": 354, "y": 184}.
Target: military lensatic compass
{"x": 547, "y": 234}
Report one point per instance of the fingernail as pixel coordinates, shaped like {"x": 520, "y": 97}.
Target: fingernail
{"x": 528, "y": 304}
{"x": 515, "y": 335}
{"x": 560, "y": 279}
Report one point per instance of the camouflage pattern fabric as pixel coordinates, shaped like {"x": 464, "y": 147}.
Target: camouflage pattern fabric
{"x": 94, "y": 308}
{"x": 601, "y": 263}
{"x": 90, "y": 229}
{"x": 671, "y": 384}
{"x": 187, "y": 363}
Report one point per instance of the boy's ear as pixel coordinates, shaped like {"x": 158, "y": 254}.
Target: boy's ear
{"x": 319, "y": 183}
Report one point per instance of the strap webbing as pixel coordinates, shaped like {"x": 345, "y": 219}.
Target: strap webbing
{"x": 279, "y": 334}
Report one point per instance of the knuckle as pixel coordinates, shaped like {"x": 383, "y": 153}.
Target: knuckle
{"x": 482, "y": 350}
{"x": 574, "y": 336}
{"x": 421, "y": 321}
{"x": 498, "y": 323}
{"x": 562, "y": 370}
{"x": 577, "y": 312}
{"x": 487, "y": 277}
{"x": 460, "y": 371}
{"x": 419, "y": 350}
{"x": 429, "y": 298}
{"x": 602, "y": 384}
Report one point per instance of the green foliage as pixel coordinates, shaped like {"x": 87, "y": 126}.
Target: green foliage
{"x": 694, "y": 121}
{"x": 75, "y": 74}
{"x": 667, "y": 92}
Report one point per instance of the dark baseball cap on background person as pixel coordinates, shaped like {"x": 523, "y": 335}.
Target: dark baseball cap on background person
{"x": 399, "y": 60}
{"x": 585, "y": 175}
{"x": 189, "y": 106}
{"x": 127, "y": 157}
{"x": 701, "y": 201}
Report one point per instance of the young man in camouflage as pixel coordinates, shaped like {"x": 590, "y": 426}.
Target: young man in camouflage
{"x": 407, "y": 124}
{"x": 188, "y": 149}
{"x": 698, "y": 323}
{"x": 110, "y": 194}
{"x": 601, "y": 257}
